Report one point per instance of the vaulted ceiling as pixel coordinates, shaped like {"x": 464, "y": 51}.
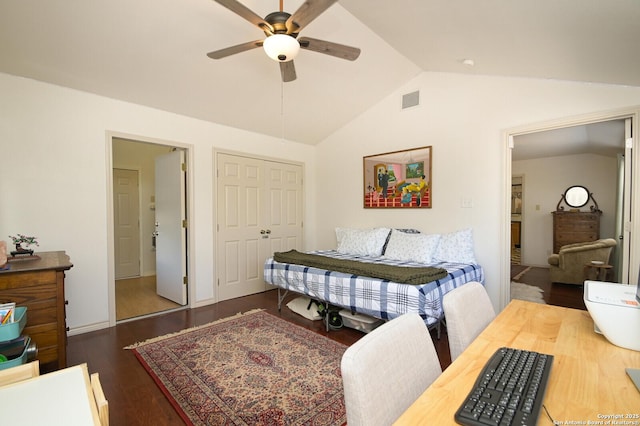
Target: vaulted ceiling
{"x": 153, "y": 53}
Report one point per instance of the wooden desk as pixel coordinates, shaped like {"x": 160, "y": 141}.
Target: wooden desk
{"x": 38, "y": 285}
{"x": 587, "y": 381}
{"x": 63, "y": 397}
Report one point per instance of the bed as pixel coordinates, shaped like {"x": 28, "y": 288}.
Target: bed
{"x": 377, "y": 297}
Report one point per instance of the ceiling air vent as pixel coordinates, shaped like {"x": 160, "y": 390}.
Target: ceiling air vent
{"x": 411, "y": 99}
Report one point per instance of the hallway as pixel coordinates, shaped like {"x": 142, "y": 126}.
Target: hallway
{"x": 137, "y": 296}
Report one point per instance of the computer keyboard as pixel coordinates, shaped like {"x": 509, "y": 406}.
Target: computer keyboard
{"x": 508, "y": 391}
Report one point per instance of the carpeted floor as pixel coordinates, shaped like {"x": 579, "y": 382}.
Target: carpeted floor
{"x": 253, "y": 368}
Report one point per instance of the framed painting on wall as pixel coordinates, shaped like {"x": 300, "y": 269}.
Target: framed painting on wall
{"x": 398, "y": 179}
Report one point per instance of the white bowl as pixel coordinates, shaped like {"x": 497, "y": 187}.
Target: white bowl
{"x": 597, "y": 262}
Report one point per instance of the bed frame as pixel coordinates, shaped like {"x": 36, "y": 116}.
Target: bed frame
{"x": 378, "y": 298}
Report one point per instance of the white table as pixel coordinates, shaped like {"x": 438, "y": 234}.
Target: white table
{"x": 63, "y": 397}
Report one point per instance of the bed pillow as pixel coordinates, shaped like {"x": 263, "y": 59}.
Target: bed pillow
{"x": 300, "y": 304}
{"x": 363, "y": 242}
{"x": 411, "y": 247}
{"x": 407, "y": 230}
{"x": 456, "y": 247}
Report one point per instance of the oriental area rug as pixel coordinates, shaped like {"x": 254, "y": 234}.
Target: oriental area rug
{"x": 249, "y": 369}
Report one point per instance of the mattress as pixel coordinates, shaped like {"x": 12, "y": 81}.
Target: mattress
{"x": 372, "y": 296}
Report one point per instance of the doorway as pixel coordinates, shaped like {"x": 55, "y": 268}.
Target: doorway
{"x": 136, "y": 206}
{"x": 517, "y": 194}
{"x": 548, "y": 144}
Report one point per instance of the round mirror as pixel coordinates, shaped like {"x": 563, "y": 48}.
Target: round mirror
{"x": 576, "y": 196}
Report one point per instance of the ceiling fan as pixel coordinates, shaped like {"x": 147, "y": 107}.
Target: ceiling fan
{"x": 282, "y": 29}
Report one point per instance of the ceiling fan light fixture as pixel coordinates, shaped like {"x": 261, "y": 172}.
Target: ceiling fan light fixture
{"x": 281, "y": 47}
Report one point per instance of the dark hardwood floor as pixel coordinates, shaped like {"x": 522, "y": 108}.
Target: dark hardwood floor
{"x": 134, "y": 398}
{"x": 567, "y": 295}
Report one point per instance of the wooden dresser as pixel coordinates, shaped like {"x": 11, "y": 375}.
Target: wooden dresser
{"x": 38, "y": 284}
{"x": 575, "y": 227}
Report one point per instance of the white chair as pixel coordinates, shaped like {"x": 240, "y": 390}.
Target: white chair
{"x": 387, "y": 370}
{"x": 467, "y": 311}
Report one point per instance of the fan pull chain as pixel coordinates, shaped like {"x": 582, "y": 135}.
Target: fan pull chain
{"x": 282, "y": 109}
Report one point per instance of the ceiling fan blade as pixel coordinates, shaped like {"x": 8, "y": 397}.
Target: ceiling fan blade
{"x": 246, "y": 13}
{"x": 328, "y": 48}
{"x": 228, "y": 51}
{"x": 306, "y": 13}
{"x": 288, "y": 71}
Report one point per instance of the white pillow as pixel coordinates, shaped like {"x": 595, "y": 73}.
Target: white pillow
{"x": 299, "y": 306}
{"x": 364, "y": 242}
{"x": 411, "y": 247}
{"x": 456, "y": 247}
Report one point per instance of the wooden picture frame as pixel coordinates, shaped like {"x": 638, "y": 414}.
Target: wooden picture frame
{"x": 398, "y": 179}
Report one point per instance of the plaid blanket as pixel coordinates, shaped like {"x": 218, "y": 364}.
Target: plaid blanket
{"x": 399, "y": 274}
{"x": 371, "y": 296}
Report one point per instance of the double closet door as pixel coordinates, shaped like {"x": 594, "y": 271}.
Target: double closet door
{"x": 259, "y": 212}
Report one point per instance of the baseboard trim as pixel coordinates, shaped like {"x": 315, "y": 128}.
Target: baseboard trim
{"x": 88, "y": 328}
{"x": 201, "y": 303}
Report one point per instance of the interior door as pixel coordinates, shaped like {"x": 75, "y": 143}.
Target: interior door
{"x": 127, "y": 223}
{"x": 240, "y": 222}
{"x": 283, "y": 217}
{"x": 171, "y": 237}
{"x": 625, "y": 236}
{"x": 259, "y": 211}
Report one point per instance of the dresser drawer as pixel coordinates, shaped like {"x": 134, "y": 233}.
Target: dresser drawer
{"x": 48, "y": 354}
{"x": 27, "y": 296}
{"x": 571, "y": 216}
{"x": 42, "y": 312}
{"x": 565, "y": 239}
{"x": 46, "y": 338}
{"x": 27, "y": 279}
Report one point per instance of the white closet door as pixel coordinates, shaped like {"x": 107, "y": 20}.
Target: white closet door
{"x": 259, "y": 211}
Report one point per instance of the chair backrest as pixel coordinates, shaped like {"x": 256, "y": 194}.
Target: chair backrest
{"x": 467, "y": 311}
{"x": 101, "y": 401}
{"x": 387, "y": 370}
{"x": 19, "y": 373}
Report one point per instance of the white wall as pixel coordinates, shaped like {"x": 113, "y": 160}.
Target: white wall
{"x": 545, "y": 180}
{"x": 463, "y": 117}
{"x": 53, "y": 180}
{"x": 53, "y": 167}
